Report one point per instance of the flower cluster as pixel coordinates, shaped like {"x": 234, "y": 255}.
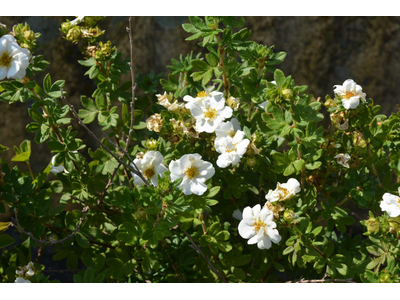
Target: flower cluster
{"x": 257, "y": 224}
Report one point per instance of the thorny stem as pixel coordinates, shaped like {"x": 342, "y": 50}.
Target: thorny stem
{"x": 205, "y": 258}
{"x": 15, "y": 223}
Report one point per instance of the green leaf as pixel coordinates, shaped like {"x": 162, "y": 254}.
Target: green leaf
{"x": 3, "y": 148}
{"x": 82, "y": 240}
{"x": 6, "y": 240}
{"x": 89, "y": 275}
{"x": 47, "y": 83}
{"x": 278, "y": 266}
{"x": 279, "y": 78}
{"x": 200, "y": 65}
{"x": 115, "y": 262}
{"x": 189, "y": 28}
{"x": 374, "y": 263}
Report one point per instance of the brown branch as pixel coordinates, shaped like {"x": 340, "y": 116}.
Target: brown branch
{"x": 223, "y": 279}
{"x": 15, "y": 223}
{"x": 131, "y": 168}
{"x": 128, "y": 139}
{"x": 374, "y": 169}
{"x": 348, "y": 280}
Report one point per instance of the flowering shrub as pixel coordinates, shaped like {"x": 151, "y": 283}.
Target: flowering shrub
{"x": 230, "y": 177}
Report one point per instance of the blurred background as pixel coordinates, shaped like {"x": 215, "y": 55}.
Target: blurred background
{"x": 322, "y": 52}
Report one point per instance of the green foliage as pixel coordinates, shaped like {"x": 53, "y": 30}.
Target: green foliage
{"x": 117, "y": 230}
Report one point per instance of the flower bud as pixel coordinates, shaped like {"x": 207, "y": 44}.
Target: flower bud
{"x": 287, "y": 94}
{"x": 233, "y": 103}
{"x": 359, "y": 140}
{"x": 251, "y": 162}
{"x": 330, "y": 103}
{"x": 3, "y": 29}
{"x": 385, "y": 277}
{"x": 151, "y": 144}
{"x": 394, "y": 225}
{"x": 65, "y": 27}
{"x": 372, "y": 225}
{"x": 289, "y": 215}
{"x": 29, "y": 35}
{"x": 74, "y": 34}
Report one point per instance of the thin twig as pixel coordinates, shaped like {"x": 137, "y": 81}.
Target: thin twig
{"x": 16, "y": 224}
{"x": 133, "y": 170}
{"x": 348, "y": 280}
{"x": 205, "y": 258}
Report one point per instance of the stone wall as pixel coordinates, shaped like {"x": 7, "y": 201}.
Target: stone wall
{"x": 322, "y": 52}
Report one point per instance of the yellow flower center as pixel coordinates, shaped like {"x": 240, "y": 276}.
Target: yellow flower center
{"x": 398, "y": 200}
{"x": 202, "y": 94}
{"x": 258, "y": 225}
{"x": 210, "y": 113}
{"x": 149, "y": 173}
{"x": 192, "y": 172}
{"x": 348, "y": 95}
{"x": 5, "y": 60}
{"x": 232, "y": 133}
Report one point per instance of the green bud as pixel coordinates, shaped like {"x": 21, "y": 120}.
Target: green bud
{"x": 251, "y": 162}
{"x": 289, "y": 215}
{"x": 287, "y": 94}
{"x": 29, "y": 35}
{"x": 372, "y": 225}
{"x": 385, "y": 278}
{"x": 3, "y": 29}
{"x": 330, "y": 103}
{"x": 74, "y": 34}
{"x": 394, "y": 224}
{"x": 359, "y": 140}
{"x": 65, "y": 27}
{"x": 151, "y": 144}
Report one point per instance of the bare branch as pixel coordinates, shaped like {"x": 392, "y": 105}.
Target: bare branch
{"x": 15, "y": 223}
{"x": 348, "y": 280}
{"x": 133, "y": 170}
{"x": 223, "y": 279}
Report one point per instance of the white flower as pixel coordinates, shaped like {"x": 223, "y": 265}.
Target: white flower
{"x": 342, "y": 159}
{"x": 231, "y": 149}
{"x": 350, "y": 92}
{"x": 258, "y": 226}
{"x": 25, "y": 271}
{"x": 194, "y": 172}
{"x": 150, "y": 165}
{"x": 21, "y": 280}
{"x": 14, "y": 60}
{"x": 391, "y": 204}
{"x": 335, "y": 145}
{"x": 55, "y": 169}
{"x": 201, "y": 96}
{"x": 284, "y": 191}
{"x": 76, "y": 21}
{"x": 228, "y": 128}
{"x": 209, "y": 113}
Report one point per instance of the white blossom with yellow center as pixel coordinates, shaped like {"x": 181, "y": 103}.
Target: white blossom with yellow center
{"x": 208, "y": 93}
{"x": 342, "y": 159}
{"x": 209, "y": 113}
{"x": 232, "y": 149}
{"x": 391, "y": 204}
{"x": 284, "y": 191}
{"x": 194, "y": 172}
{"x": 150, "y": 165}
{"x": 351, "y": 93}
{"x": 14, "y": 60}
{"x": 258, "y": 226}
